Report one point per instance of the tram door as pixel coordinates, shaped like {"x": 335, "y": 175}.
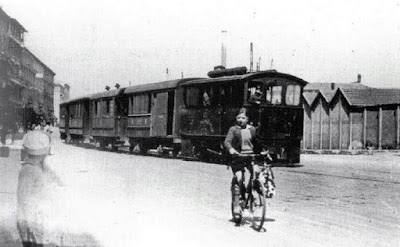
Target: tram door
{"x": 160, "y": 126}
{"x": 86, "y": 117}
{"x": 121, "y": 122}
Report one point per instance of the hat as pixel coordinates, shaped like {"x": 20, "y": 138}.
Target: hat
{"x": 36, "y": 142}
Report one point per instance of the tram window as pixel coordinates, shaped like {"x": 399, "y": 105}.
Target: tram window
{"x": 206, "y": 98}
{"x": 107, "y": 103}
{"x": 233, "y": 94}
{"x": 72, "y": 111}
{"x": 254, "y": 94}
{"x": 96, "y": 107}
{"x": 274, "y": 95}
{"x": 218, "y": 96}
{"x": 141, "y": 104}
{"x": 293, "y": 95}
{"x": 211, "y": 96}
{"x": 192, "y": 96}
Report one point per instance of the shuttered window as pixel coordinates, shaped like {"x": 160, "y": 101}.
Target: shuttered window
{"x": 140, "y": 104}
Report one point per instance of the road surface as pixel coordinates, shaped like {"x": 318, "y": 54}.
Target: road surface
{"x": 118, "y": 199}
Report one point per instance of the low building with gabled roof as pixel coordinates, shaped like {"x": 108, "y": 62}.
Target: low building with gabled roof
{"x": 342, "y": 116}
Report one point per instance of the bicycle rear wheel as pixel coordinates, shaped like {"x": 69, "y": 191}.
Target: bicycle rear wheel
{"x": 258, "y": 205}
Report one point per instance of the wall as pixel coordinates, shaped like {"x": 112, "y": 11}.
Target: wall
{"x": 389, "y": 119}
{"x": 325, "y": 124}
{"x": 307, "y": 127}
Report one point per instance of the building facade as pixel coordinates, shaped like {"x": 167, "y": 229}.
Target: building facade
{"x": 350, "y": 116}
{"x": 26, "y": 83}
{"x": 61, "y": 94}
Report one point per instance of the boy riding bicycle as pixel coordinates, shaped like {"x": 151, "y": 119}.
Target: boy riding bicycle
{"x": 241, "y": 139}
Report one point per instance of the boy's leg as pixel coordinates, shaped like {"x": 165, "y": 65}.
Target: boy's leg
{"x": 237, "y": 189}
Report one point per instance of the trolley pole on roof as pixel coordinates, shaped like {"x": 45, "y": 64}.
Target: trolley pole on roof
{"x": 223, "y": 47}
{"x": 251, "y": 57}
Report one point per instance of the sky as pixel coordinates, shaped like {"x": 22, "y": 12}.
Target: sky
{"x": 91, "y": 44}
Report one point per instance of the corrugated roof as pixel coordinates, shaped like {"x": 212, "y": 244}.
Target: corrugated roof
{"x": 310, "y": 96}
{"x": 328, "y": 90}
{"x": 371, "y": 96}
{"x": 331, "y": 86}
{"x": 328, "y": 95}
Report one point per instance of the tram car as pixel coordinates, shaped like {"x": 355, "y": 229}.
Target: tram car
{"x": 105, "y": 115}
{"x": 273, "y": 101}
{"x": 192, "y": 116}
{"x": 74, "y": 119}
{"x": 140, "y": 117}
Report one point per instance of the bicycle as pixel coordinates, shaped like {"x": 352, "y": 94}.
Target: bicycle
{"x": 260, "y": 187}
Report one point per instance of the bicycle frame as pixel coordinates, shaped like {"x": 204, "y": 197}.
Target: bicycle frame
{"x": 260, "y": 187}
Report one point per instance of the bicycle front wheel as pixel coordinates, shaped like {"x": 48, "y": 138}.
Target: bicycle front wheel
{"x": 235, "y": 205}
{"x": 258, "y": 205}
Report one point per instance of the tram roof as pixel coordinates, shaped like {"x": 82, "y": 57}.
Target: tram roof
{"x": 156, "y": 86}
{"x": 106, "y": 94}
{"x": 252, "y": 75}
{"x": 76, "y": 100}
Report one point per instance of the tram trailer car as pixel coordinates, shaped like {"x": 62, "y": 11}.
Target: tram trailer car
{"x": 140, "y": 117}
{"x": 106, "y": 112}
{"x": 74, "y": 121}
{"x": 210, "y": 107}
{"x": 63, "y": 120}
{"x": 152, "y": 118}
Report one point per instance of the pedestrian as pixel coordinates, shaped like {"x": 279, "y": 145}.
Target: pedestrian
{"x": 31, "y": 188}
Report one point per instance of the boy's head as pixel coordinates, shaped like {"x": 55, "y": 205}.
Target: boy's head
{"x": 242, "y": 118}
{"x": 36, "y": 144}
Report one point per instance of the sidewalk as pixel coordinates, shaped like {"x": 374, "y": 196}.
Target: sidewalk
{"x": 9, "y": 168}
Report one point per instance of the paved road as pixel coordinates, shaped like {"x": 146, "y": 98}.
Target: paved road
{"x": 117, "y": 199}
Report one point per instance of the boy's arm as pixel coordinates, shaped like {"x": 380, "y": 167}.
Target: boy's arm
{"x": 52, "y": 173}
{"x": 228, "y": 141}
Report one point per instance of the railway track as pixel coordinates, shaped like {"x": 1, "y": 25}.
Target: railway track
{"x": 358, "y": 177}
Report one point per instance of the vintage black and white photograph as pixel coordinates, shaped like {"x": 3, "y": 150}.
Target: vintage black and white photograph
{"x": 199, "y": 123}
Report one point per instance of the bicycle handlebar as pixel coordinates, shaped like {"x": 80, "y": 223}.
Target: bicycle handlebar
{"x": 244, "y": 155}
{"x": 264, "y": 155}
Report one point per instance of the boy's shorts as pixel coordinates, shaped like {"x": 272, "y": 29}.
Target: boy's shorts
{"x": 239, "y": 164}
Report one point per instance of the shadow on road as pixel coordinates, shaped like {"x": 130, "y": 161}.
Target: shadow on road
{"x": 9, "y": 238}
{"x": 248, "y": 221}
